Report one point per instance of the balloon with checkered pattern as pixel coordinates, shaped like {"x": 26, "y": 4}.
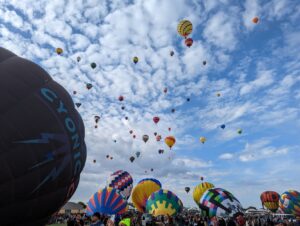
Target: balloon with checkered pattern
{"x": 122, "y": 181}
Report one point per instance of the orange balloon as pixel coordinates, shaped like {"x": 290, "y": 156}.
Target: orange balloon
{"x": 255, "y": 20}
{"x": 170, "y": 141}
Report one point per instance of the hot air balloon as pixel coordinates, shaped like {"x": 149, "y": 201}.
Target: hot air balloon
{"x": 219, "y": 202}
{"x": 170, "y": 141}
{"x": 200, "y": 189}
{"x": 126, "y": 118}
{"x": 74, "y": 92}
{"x": 93, "y": 65}
{"x": 163, "y": 202}
{"x": 89, "y": 86}
{"x": 239, "y": 131}
{"x": 160, "y": 151}
{"x": 122, "y": 181}
{"x": 123, "y": 107}
{"x": 78, "y": 104}
{"x": 59, "y": 51}
{"x": 202, "y": 140}
{"x": 134, "y": 136}
{"x": 171, "y": 53}
{"x": 184, "y": 28}
{"x": 165, "y": 90}
{"x": 106, "y": 201}
{"x": 107, "y": 156}
{"x": 97, "y": 118}
{"x": 151, "y": 169}
{"x": 223, "y": 126}
{"x": 169, "y": 128}
{"x": 270, "y": 200}
{"x": 187, "y": 189}
{"x": 156, "y": 119}
{"x": 145, "y": 138}
{"x": 42, "y": 143}
{"x": 138, "y": 153}
{"x": 188, "y": 99}
{"x": 135, "y": 60}
{"x": 78, "y": 59}
{"x": 155, "y": 133}
{"x": 94, "y": 161}
{"x": 204, "y": 62}
{"x": 132, "y": 159}
{"x": 289, "y": 203}
{"x": 130, "y": 131}
{"x": 189, "y": 42}
{"x": 121, "y": 98}
{"x": 158, "y": 138}
{"x": 142, "y": 191}
{"x": 201, "y": 178}
{"x": 255, "y": 20}
{"x": 218, "y": 94}
{"x": 173, "y": 110}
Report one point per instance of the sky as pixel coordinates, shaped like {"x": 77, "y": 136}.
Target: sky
{"x": 255, "y": 68}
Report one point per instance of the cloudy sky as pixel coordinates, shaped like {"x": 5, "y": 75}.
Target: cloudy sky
{"x": 255, "y": 68}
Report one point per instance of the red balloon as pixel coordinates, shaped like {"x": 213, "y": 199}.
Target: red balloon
{"x": 156, "y": 119}
{"x": 121, "y": 98}
{"x": 189, "y": 42}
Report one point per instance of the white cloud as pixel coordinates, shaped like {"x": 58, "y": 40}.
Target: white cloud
{"x": 226, "y": 156}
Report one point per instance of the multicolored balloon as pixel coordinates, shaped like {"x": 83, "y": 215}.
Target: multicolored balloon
{"x": 163, "y": 202}
{"x": 270, "y": 199}
{"x": 122, "y": 181}
{"x": 142, "y": 191}
{"x": 289, "y": 202}
{"x": 107, "y": 201}
{"x": 184, "y": 28}
{"x": 219, "y": 202}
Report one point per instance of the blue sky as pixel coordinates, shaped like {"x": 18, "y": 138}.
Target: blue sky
{"x": 255, "y": 67}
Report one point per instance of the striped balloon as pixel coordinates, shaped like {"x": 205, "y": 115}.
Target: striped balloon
{"x": 270, "y": 199}
{"x": 106, "y": 201}
{"x": 122, "y": 181}
{"x": 289, "y": 202}
{"x": 163, "y": 202}
{"x": 142, "y": 192}
{"x": 185, "y": 28}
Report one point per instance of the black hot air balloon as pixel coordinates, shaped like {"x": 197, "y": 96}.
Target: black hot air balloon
{"x": 187, "y": 189}
{"x": 42, "y": 144}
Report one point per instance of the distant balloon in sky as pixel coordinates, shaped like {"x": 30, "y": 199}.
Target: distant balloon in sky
{"x": 204, "y": 62}
{"x": 170, "y": 141}
{"x": 89, "y": 86}
{"x": 189, "y": 42}
{"x": 42, "y": 143}
{"x": 93, "y": 65}
{"x": 78, "y": 59}
{"x": 223, "y": 126}
{"x": 202, "y": 140}
{"x": 172, "y": 53}
{"x": 59, "y": 51}
{"x": 156, "y": 119}
{"x": 145, "y": 138}
{"x": 184, "y": 28}
{"x": 255, "y": 20}
{"x": 239, "y": 131}
{"x": 135, "y": 60}
{"x": 121, "y": 98}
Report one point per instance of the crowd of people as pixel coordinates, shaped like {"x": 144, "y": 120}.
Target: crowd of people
{"x": 184, "y": 219}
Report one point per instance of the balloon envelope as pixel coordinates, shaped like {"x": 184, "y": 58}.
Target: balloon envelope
{"x": 42, "y": 143}
{"x": 106, "y": 201}
{"x": 219, "y": 202}
{"x": 163, "y": 202}
{"x": 122, "y": 181}
{"x": 270, "y": 199}
{"x": 200, "y": 189}
{"x": 289, "y": 202}
{"x": 142, "y": 191}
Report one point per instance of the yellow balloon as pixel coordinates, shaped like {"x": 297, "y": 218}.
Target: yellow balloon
{"x": 200, "y": 189}
{"x": 142, "y": 191}
{"x": 184, "y": 28}
{"x": 203, "y": 140}
{"x": 59, "y": 51}
{"x": 170, "y": 141}
{"x": 135, "y": 59}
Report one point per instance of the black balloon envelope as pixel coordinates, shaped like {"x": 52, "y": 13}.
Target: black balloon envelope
{"x": 42, "y": 148}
